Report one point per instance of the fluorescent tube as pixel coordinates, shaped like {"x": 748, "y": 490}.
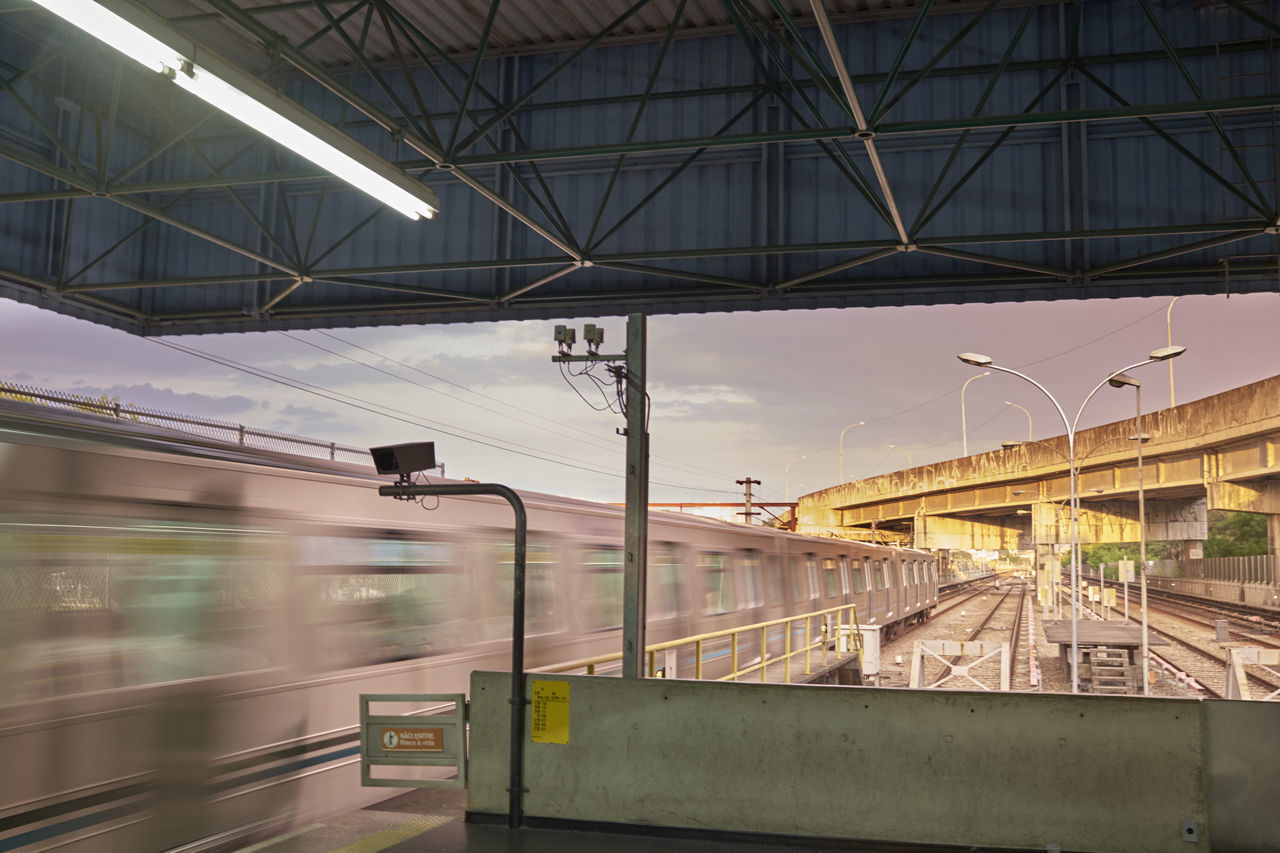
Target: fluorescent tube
{"x": 258, "y": 116}
{"x": 109, "y": 27}
{"x": 393, "y": 187}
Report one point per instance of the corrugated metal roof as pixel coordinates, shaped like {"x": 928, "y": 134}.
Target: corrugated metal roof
{"x": 727, "y": 177}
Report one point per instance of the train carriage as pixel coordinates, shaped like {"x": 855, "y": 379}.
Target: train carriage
{"x": 185, "y": 626}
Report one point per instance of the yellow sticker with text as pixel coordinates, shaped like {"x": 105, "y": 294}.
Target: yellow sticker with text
{"x": 550, "y": 712}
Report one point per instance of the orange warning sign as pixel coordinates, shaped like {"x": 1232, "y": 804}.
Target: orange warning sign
{"x": 417, "y": 740}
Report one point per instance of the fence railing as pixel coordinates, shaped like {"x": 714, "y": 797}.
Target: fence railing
{"x": 1264, "y": 568}
{"x": 208, "y": 428}
{"x": 822, "y": 629}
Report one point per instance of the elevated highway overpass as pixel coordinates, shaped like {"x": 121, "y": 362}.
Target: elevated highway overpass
{"x": 1215, "y": 453}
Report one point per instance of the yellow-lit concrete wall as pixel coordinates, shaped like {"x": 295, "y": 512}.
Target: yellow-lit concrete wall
{"x": 985, "y": 769}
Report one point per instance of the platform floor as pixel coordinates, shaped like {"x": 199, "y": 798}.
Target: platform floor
{"x": 433, "y": 821}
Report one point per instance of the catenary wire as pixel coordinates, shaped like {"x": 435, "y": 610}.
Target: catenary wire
{"x": 387, "y": 412}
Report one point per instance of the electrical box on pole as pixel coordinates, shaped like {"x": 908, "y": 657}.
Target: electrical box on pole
{"x": 633, "y": 402}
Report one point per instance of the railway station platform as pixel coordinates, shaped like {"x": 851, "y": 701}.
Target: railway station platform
{"x": 653, "y": 764}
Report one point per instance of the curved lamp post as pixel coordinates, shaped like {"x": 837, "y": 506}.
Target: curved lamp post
{"x": 1025, "y": 412}
{"x": 979, "y": 360}
{"x": 910, "y": 464}
{"x": 788, "y": 475}
{"x": 964, "y": 427}
{"x": 1121, "y": 381}
{"x": 842, "y": 432}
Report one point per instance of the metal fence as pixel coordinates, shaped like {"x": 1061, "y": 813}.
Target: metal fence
{"x": 1264, "y": 568}
{"x": 207, "y": 428}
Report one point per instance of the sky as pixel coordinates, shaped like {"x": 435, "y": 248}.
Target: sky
{"x": 765, "y": 395}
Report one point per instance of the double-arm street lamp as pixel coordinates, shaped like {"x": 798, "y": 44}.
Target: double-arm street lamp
{"x": 1120, "y": 381}
{"x": 978, "y": 360}
{"x": 842, "y": 432}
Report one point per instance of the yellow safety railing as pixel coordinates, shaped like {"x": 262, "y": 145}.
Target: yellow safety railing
{"x": 834, "y": 625}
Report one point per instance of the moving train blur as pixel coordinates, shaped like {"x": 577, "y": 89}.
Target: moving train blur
{"x": 186, "y": 625}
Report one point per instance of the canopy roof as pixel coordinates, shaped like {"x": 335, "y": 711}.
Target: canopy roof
{"x": 665, "y": 156}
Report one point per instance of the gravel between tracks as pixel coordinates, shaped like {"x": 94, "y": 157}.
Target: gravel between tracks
{"x": 958, "y": 623}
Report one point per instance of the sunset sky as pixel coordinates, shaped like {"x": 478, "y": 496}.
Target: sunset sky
{"x": 733, "y": 395}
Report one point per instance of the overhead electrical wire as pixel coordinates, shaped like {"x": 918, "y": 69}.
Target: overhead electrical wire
{"x": 675, "y": 463}
{"x": 411, "y": 418}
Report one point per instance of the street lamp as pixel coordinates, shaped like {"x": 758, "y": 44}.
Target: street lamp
{"x": 788, "y": 475}
{"x": 842, "y": 432}
{"x": 904, "y": 450}
{"x": 979, "y": 360}
{"x": 1121, "y": 381}
{"x": 1168, "y": 329}
{"x": 964, "y": 428}
{"x": 1025, "y": 412}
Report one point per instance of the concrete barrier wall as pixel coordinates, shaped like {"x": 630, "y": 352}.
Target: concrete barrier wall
{"x": 1019, "y": 771}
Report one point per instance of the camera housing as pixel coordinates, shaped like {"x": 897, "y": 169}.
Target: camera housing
{"x": 403, "y": 459}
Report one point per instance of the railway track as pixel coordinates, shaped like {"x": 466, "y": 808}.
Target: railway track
{"x": 1190, "y": 627}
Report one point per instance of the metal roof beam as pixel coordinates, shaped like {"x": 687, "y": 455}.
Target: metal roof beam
{"x": 1135, "y": 111}
{"x": 303, "y": 63}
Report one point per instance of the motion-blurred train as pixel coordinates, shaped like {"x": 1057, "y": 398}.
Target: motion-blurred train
{"x": 185, "y": 625}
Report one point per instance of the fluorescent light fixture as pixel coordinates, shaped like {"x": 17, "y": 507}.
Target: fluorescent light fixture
{"x": 142, "y": 36}
{"x": 107, "y": 26}
{"x": 258, "y": 116}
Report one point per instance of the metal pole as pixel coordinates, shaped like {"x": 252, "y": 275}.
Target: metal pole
{"x": 842, "y": 432}
{"x": 1168, "y": 327}
{"x": 1142, "y": 547}
{"x": 964, "y": 427}
{"x": 637, "y": 522}
{"x": 515, "y": 785}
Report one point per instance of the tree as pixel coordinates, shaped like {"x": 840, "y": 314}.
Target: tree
{"x": 1236, "y": 534}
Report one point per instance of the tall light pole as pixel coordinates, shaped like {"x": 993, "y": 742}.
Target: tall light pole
{"x": 1120, "y": 382}
{"x": 979, "y": 360}
{"x": 842, "y": 432}
{"x": 1168, "y": 328}
{"x": 1025, "y": 412}
{"x": 904, "y": 450}
{"x": 788, "y": 475}
{"x": 964, "y": 426}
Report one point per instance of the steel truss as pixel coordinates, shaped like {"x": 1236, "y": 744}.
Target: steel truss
{"x": 89, "y": 138}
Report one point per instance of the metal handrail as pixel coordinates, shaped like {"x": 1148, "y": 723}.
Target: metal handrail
{"x": 207, "y": 428}
{"x": 846, "y": 628}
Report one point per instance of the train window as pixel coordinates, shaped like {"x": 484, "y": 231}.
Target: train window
{"x": 915, "y": 571}
{"x": 858, "y": 577}
{"x": 830, "y": 583}
{"x": 717, "y": 584}
{"x": 540, "y": 615}
{"x": 97, "y": 603}
{"x": 753, "y": 595}
{"x": 844, "y": 575}
{"x": 902, "y": 567}
{"x": 773, "y": 577}
{"x": 663, "y": 583}
{"x": 602, "y": 589}
{"x": 799, "y": 592}
{"x": 811, "y": 569}
{"x": 879, "y": 573}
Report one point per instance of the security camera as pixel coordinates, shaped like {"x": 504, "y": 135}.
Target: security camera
{"x": 404, "y": 459}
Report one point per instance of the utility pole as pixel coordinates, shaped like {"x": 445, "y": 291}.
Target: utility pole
{"x": 637, "y": 520}
{"x": 748, "y": 513}
{"x": 630, "y": 376}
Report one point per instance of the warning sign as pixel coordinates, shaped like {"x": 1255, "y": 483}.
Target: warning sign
{"x": 413, "y": 740}
{"x": 550, "y": 712}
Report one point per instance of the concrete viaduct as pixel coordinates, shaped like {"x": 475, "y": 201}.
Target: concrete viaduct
{"x": 1219, "y": 452}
